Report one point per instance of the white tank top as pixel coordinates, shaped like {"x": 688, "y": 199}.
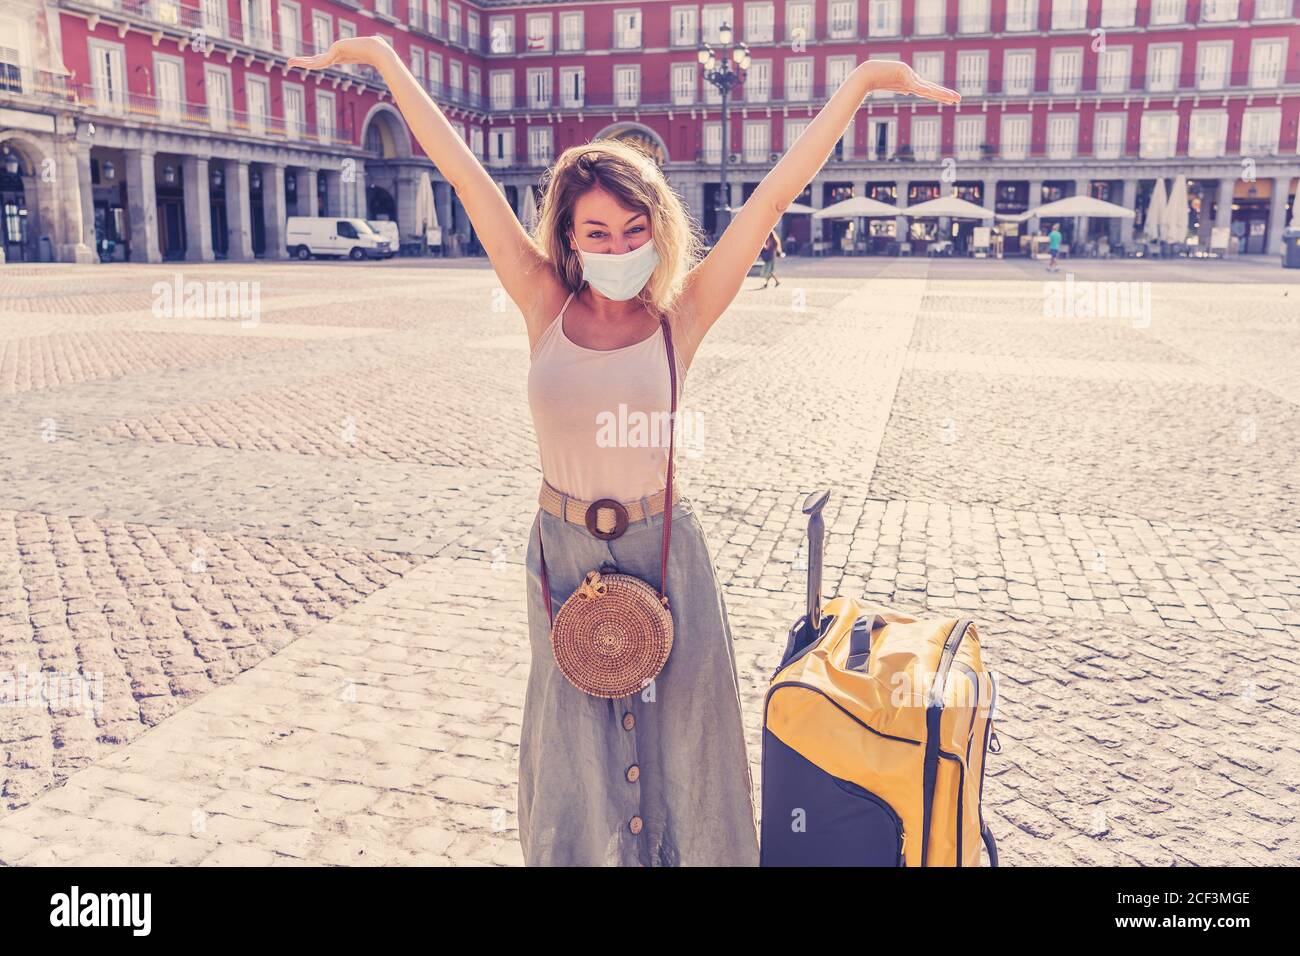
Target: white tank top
{"x": 602, "y": 415}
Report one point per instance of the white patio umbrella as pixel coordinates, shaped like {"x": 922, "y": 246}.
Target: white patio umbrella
{"x": 856, "y": 207}
{"x": 949, "y": 206}
{"x": 426, "y": 213}
{"x": 530, "y": 210}
{"x": 1175, "y": 217}
{"x": 1151, "y": 228}
{"x": 1073, "y": 206}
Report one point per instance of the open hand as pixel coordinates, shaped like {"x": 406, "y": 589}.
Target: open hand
{"x": 364, "y": 50}
{"x": 896, "y": 77}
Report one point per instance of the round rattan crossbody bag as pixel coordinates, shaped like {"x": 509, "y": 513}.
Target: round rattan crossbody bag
{"x": 612, "y": 636}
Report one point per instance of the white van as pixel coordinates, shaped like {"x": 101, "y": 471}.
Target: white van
{"x": 386, "y": 229}
{"x": 308, "y": 236}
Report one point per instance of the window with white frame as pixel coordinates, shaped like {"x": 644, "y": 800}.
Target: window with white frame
{"x": 540, "y": 150}
{"x": 973, "y": 16}
{"x": 1212, "y": 65}
{"x": 1062, "y": 135}
{"x": 925, "y": 140}
{"x": 758, "y": 82}
{"x": 472, "y": 28}
{"x": 842, "y": 19}
{"x": 1113, "y": 69}
{"x": 1218, "y": 11}
{"x": 1272, "y": 9}
{"x": 1166, "y": 12}
{"x": 928, "y": 66}
{"x": 1108, "y": 135}
{"x": 1018, "y": 72}
{"x": 384, "y": 7}
{"x": 571, "y": 30}
{"x": 798, "y": 79}
{"x": 502, "y": 32}
{"x": 627, "y": 85}
{"x": 475, "y": 85}
{"x": 884, "y": 18}
{"x": 213, "y": 16}
{"x": 1067, "y": 70}
{"x": 501, "y": 146}
{"x": 169, "y": 86}
{"x": 972, "y": 72}
{"x": 325, "y": 125}
{"x": 460, "y": 131}
{"x": 684, "y": 83}
{"x": 1162, "y": 67}
{"x": 760, "y": 23}
{"x": 455, "y": 76}
{"x": 882, "y": 138}
{"x": 290, "y": 29}
{"x": 454, "y": 33}
{"x": 685, "y": 26}
{"x": 931, "y": 17}
{"x": 572, "y": 87}
{"x": 1267, "y": 58}
{"x": 757, "y": 140}
{"x": 712, "y": 140}
{"x": 415, "y": 13}
{"x": 968, "y": 136}
{"x": 539, "y": 88}
{"x": 799, "y": 21}
{"x": 1118, "y": 13}
{"x": 711, "y": 20}
{"x": 1069, "y": 14}
{"x": 1207, "y": 135}
{"x": 1159, "y": 135}
{"x": 475, "y": 138}
{"x": 1014, "y": 140}
{"x": 295, "y": 114}
{"x": 322, "y": 31}
{"x": 417, "y": 64}
{"x": 502, "y": 86}
{"x": 539, "y": 32}
{"x": 837, "y": 70}
{"x": 1260, "y": 131}
{"x": 216, "y": 81}
{"x": 1022, "y": 16}
{"x": 792, "y": 130}
{"x": 627, "y": 29}
{"x": 435, "y": 71}
{"x": 257, "y": 97}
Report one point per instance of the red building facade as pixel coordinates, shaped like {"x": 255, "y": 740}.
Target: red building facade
{"x": 204, "y": 141}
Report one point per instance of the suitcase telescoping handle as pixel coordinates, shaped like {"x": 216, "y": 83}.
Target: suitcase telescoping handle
{"x": 812, "y": 507}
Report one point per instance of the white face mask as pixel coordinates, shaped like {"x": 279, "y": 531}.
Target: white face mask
{"x": 616, "y": 276}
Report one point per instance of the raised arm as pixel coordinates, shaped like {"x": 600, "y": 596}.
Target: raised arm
{"x": 519, "y": 263}
{"x": 714, "y": 282}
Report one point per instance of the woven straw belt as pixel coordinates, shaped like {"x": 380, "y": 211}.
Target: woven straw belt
{"x": 606, "y": 517}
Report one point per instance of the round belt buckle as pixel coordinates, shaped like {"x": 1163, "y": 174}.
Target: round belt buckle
{"x": 620, "y": 518}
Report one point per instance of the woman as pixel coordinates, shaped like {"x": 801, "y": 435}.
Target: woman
{"x": 771, "y": 249}
{"x": 660, "y": 778}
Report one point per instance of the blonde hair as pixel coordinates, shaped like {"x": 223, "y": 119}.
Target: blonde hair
{"x": 635, "y": 180}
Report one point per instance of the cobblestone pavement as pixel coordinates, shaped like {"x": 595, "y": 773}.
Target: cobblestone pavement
{"x": 285, "y": 550}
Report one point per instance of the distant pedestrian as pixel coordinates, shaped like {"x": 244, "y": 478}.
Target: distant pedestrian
{"x": 771, "y": 249}
{"x": 1054, "y": 247}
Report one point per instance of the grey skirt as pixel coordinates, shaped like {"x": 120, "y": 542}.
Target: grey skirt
{"x": 690, "y": 800}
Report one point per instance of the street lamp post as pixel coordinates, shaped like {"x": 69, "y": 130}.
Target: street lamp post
{"x": 724, "y": 70}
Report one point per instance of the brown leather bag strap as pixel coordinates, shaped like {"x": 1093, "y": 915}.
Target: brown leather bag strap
{"x": 668, "y": 490}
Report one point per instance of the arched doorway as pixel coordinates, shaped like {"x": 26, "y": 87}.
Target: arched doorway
{"x": 642, "y": 137}
{"x": 14, "y": 221}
